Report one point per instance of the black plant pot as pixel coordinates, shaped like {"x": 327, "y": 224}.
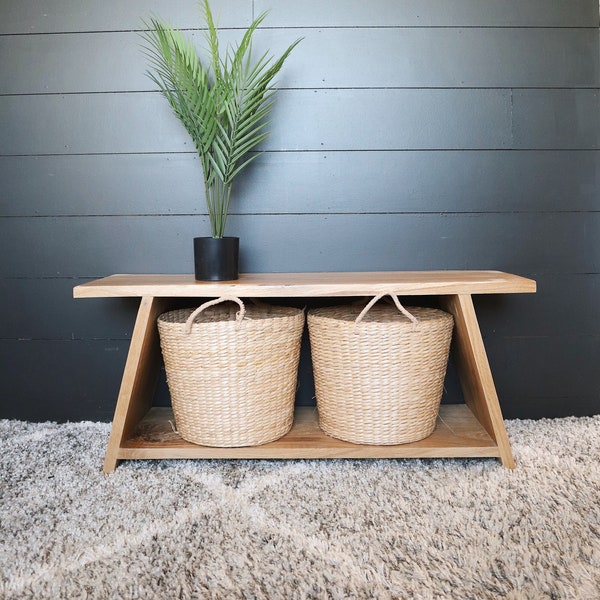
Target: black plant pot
{"x": 216, "y": 259}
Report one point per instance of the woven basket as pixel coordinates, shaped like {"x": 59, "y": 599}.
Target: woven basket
{"x": 379, "y": 373}
{"x": 232, "y": 376}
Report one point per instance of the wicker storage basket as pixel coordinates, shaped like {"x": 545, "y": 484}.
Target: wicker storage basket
{"x": 379, "y": 373}
{"x": 232, "y": 377}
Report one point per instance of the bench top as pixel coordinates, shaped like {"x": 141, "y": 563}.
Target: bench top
{"x": 282, "y": 285}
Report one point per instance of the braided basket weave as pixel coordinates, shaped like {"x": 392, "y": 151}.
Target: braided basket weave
{"x": 232, "y": 371}
{"x": 379, "y": 373}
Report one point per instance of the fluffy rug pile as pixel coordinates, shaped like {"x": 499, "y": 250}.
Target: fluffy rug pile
{"x": 299, "y": 529}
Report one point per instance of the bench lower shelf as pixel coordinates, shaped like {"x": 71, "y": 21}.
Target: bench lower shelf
{"x": 458, "y": 434}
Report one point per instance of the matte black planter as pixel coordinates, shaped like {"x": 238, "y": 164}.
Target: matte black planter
{"x": 216, "y": 259}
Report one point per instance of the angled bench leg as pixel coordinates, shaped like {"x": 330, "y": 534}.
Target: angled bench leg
{"x": 139, "y": 378}
{"x": 475, "y": 374}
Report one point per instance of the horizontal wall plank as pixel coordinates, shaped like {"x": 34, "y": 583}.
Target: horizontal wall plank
{"x": 302, "y": 120}
{"x": 91, "y": 247}
{"x": 562, "y": 367}
{"x": 32, "y": 16}
{"x": 421, "y": 57}
{"x": 48, "y": 311}
{"x": 312, "y": 120}
{"x": 82, "y": 62}
{"x": 549, "y": 312}
{"x": 428, "y": 57}
{"x": 61, "y": 380}
{"x": 551, "y": 407}
{"x": 66, "y": 63}
{"x": 559, "y": 116}
{"x": 305, "y": 182}
{"x": 433, "y": 13}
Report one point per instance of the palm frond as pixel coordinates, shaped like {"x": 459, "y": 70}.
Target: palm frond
{"x": 223, "y": 104}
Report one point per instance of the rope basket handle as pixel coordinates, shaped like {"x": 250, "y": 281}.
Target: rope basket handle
{"x": 238, "y": 317}
{"x": 376, "y": 299}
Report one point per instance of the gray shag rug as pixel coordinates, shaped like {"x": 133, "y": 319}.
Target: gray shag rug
{"x": 466, "y": 529}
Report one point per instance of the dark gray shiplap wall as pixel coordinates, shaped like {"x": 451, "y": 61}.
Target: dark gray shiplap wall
{"x": 421, "y": 134}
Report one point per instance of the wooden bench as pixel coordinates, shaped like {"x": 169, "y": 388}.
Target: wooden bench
{"x": 472, "y": 429}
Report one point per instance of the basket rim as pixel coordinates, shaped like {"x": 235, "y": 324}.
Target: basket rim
{"x": 252, "y": 314}
{"x": 336, "y": 313}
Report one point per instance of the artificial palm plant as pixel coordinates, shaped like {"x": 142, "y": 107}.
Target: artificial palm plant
{"x": 224, "y": 103}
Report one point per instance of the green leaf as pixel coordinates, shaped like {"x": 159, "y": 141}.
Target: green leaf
{"x": 224, "y": 103}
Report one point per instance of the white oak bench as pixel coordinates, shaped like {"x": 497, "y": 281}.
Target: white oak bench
{"x": 472, "y": 429}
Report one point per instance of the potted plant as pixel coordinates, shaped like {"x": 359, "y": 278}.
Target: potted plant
{"x": 224, "y": 104}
